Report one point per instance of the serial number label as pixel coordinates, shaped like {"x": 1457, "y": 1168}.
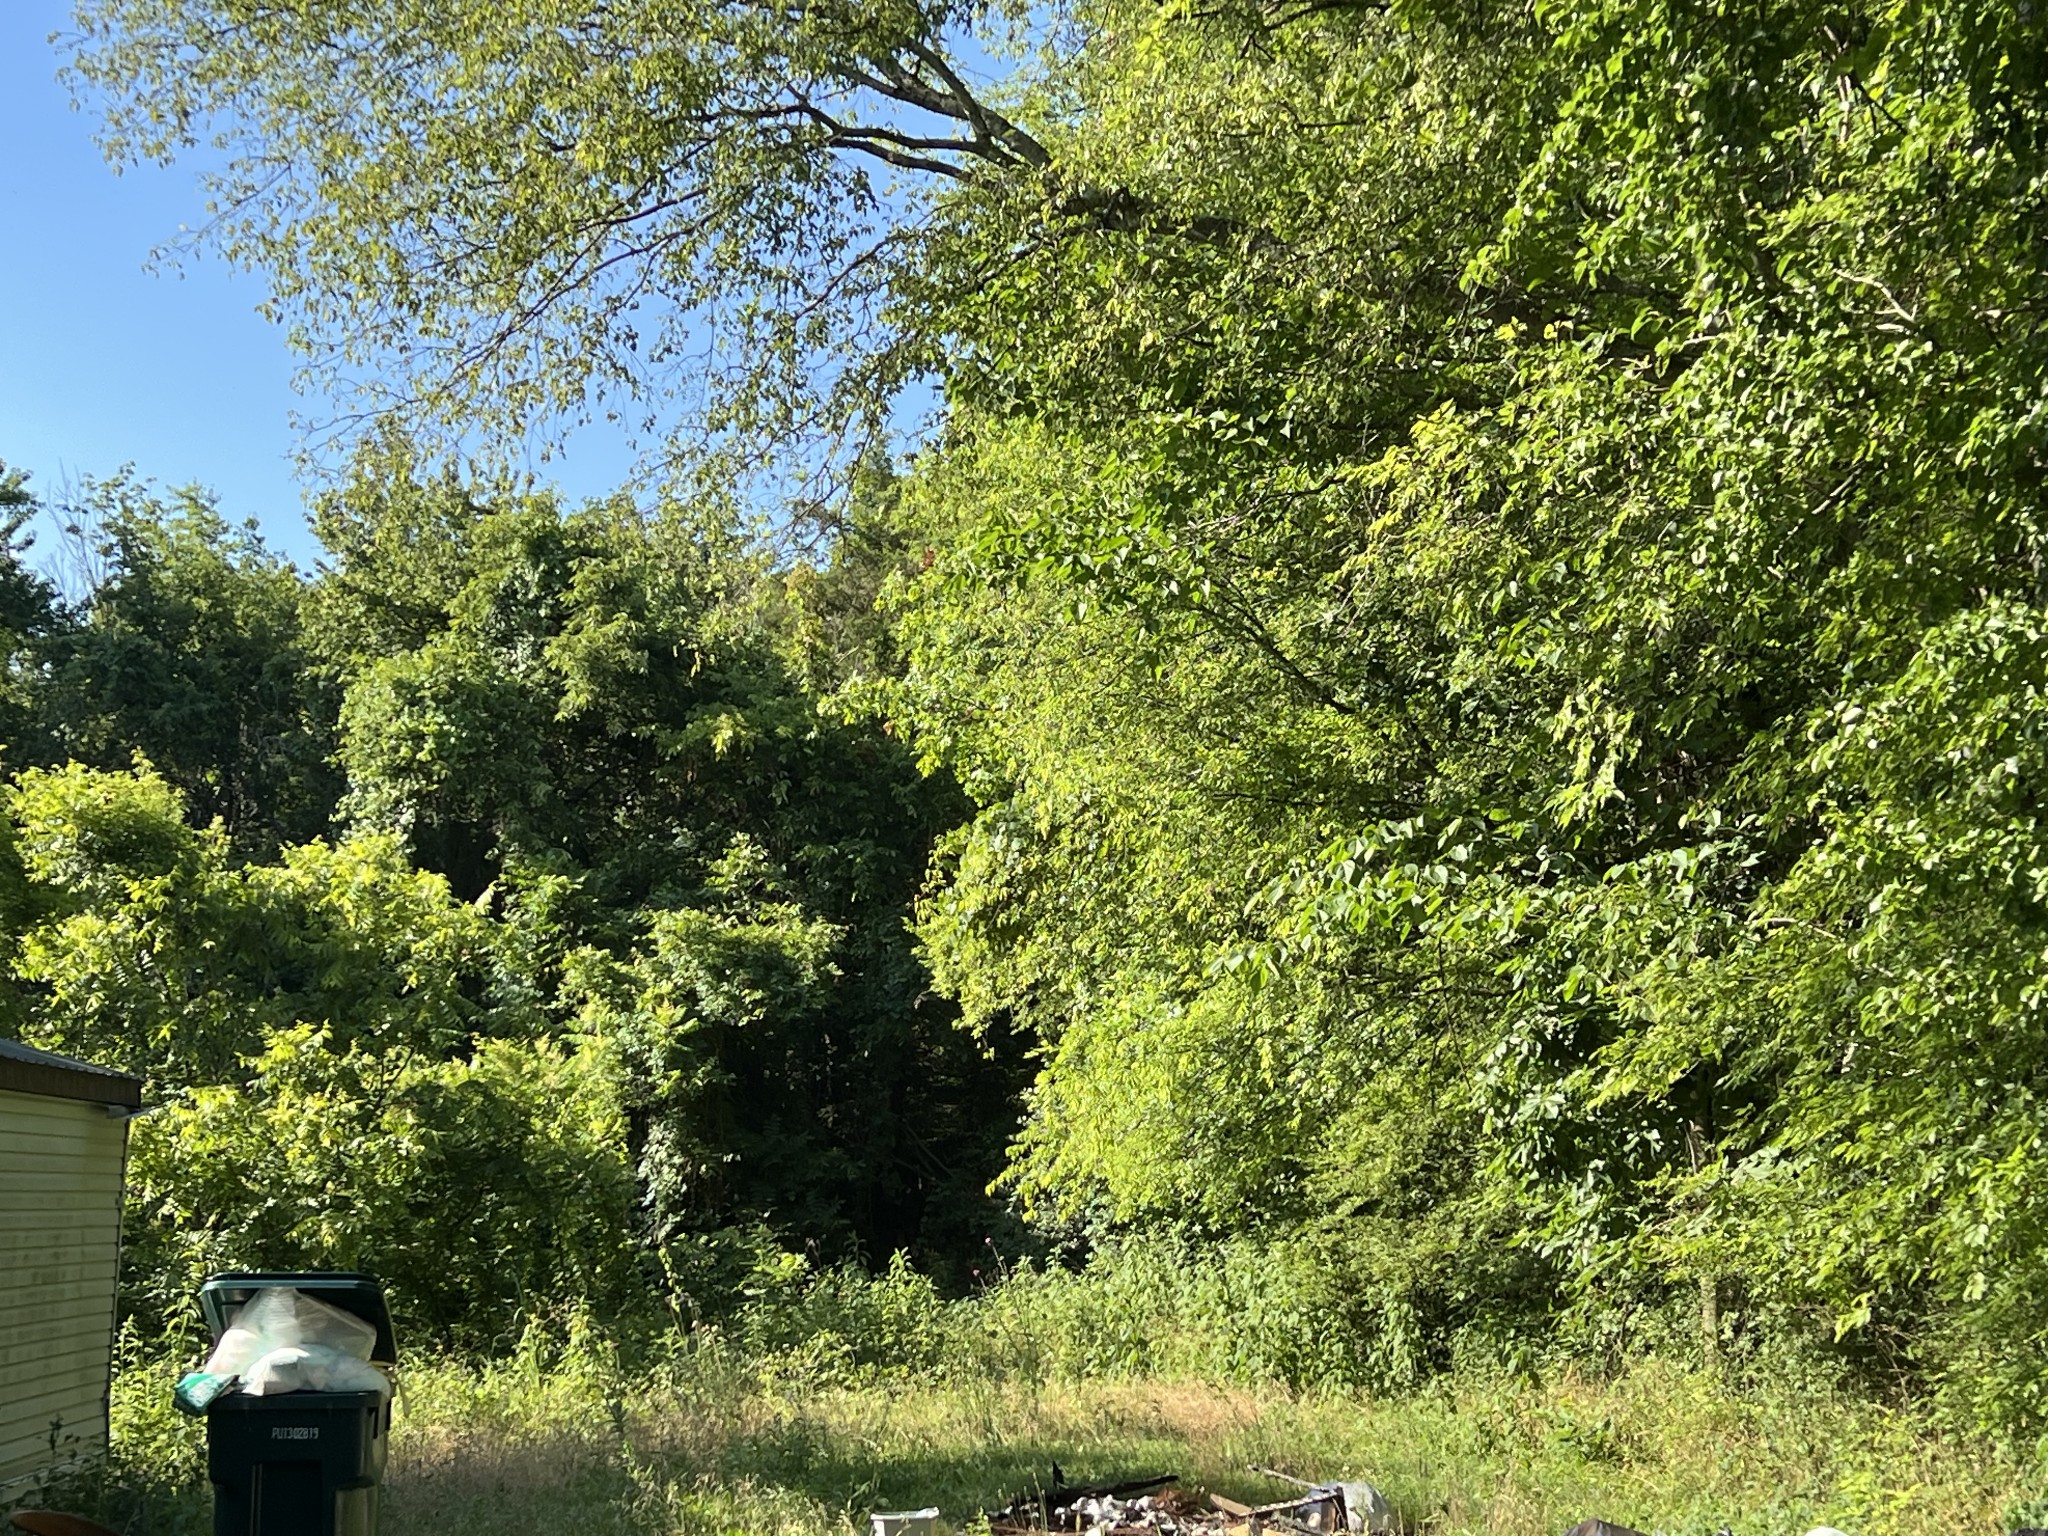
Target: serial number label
{"x": 295, "y": 1432}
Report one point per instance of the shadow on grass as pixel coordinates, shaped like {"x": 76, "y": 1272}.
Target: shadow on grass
{"x": 457, "y": 1484}
{"x": 845, "y": 1475}
{"x": 777, "y": 1470}
{"x": 846, "y": 1459}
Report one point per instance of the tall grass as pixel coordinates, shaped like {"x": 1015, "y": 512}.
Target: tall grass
{"x": 572, "y": 1444}
{"x": 1234, "y": 1313}
{"x": 820, "y": 1401}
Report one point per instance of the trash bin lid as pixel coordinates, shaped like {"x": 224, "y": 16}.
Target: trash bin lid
{"x": 223, "y": 1295}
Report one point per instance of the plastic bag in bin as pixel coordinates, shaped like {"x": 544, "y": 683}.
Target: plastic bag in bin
{"x": 286, "y": 1341}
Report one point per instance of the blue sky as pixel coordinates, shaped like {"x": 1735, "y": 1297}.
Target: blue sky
{"x": 103, "y": 363}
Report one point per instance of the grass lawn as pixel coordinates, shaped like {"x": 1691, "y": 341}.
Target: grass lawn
{"x": 512, "y": 1450}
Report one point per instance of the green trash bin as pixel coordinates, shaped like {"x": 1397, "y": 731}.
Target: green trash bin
{"x": 298, "y": 1463}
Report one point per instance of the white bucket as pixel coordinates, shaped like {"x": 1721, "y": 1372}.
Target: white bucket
{"x": 904, "y": 1522}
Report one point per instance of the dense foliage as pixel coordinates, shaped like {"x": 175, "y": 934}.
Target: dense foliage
{"x": 585, "y": 981}
{"x": 1480, "y": 567}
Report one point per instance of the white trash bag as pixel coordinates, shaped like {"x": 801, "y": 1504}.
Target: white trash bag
{"x": 286, "y": 1341}
{"x": 312, "y": 1368}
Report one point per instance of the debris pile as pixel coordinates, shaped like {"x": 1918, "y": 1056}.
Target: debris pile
{"x": 1103, "y": 1508}
{"x": 1157, "y": 1505}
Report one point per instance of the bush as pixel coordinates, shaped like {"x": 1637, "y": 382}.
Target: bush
{"x": 350, "y": 1160}
{"x": 1241, "y": 1312}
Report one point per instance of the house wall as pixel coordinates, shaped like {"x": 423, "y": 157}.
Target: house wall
{"x": 60, "y": 1228}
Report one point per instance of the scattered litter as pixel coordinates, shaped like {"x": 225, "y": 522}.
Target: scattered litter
{"x": 1356, "y": 1507}
{"x": 1154, "y": 1506}
{"x": 1366, "y": 1509}
{"x": 1157, "y": 1506}
{"x": 1097, "y": 1507}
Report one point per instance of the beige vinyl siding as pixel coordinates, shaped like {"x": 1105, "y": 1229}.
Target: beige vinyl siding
{"x": 60, "y": 1228}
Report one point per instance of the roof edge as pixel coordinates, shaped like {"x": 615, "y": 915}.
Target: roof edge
{"x": 53, "y": 1077}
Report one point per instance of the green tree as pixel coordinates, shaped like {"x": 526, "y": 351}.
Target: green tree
{"x": 30, "y": 615}
{"x": 347, "y": 1067}
{"x": 1479, "y": 584}
{"x": 554, "y": 197}
{"x": 147, "y": 946}
{"x": 485, "y": 1191}
{"x": 593, "y": 721}
{"x": 188, "y": 649}
{"x": 1482, "y": 556}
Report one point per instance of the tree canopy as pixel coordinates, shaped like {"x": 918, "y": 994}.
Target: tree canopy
{"x": 557, "y": 957}
{"x": 1479, "y": 568}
